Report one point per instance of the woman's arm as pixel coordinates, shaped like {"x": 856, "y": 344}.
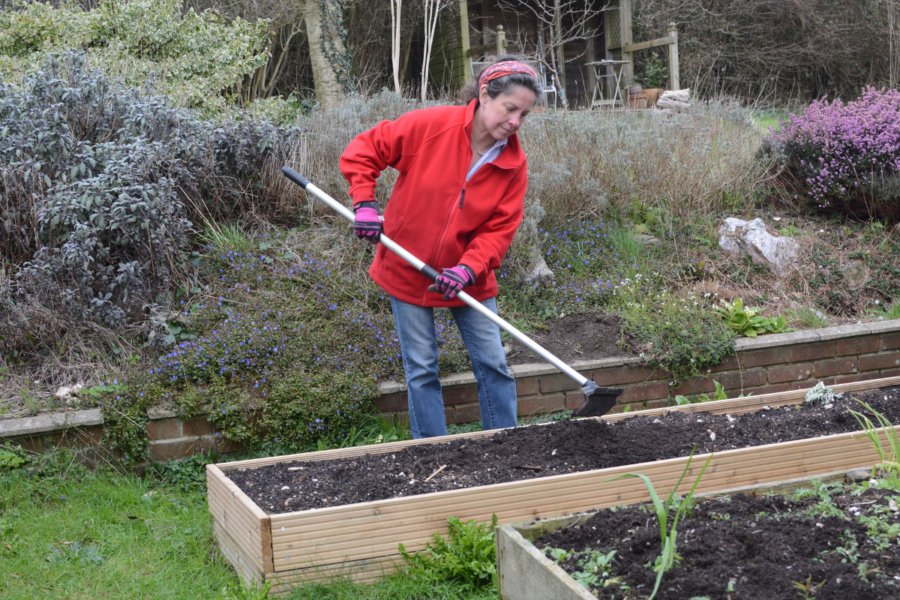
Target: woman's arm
{"x": 372, "y": 151}
{"x": 490, "y": 242}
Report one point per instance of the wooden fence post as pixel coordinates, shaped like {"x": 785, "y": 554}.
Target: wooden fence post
{"x": 468, "y": 78}
{"x": 673, "y": 58}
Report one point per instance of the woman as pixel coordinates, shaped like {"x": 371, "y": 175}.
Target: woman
{"x": 456, "y": 205}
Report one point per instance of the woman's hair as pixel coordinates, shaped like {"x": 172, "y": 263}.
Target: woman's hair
{"x": 501, "y": 85}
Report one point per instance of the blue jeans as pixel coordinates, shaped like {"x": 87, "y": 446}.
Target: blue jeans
{"x": 418, "y": 343}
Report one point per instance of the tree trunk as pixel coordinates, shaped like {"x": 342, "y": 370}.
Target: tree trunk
{"x": 560, "y": 52}
{"x": 329, "y": 89}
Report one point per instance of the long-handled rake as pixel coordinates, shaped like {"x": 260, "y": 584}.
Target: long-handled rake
{"x": 597, "y": 400}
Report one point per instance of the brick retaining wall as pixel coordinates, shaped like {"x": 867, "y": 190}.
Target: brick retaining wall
{"x": 767, "y": 364}
{"x": 763, "y": 365}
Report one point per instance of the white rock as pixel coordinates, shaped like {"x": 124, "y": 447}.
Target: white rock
{"x": 66, "y": 392}
{"x": 539, "y": 272}
{"x": 741, "y": 238}
{"x": 285, "y": 488}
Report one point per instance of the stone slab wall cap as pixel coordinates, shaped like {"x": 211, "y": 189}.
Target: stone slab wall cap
{"x": 53, "y": 422}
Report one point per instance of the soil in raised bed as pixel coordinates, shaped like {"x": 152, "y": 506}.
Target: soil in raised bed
{"x": 758, "y": 547}
{"x": 585, "y": 336}
{"x": 543, "y": 450}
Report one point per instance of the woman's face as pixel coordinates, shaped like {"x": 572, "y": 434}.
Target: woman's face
{"x": 502, "y": 116}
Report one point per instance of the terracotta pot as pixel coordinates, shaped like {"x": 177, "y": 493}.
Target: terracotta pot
{"x": 653, "y": 95}
{"x": 634, "y": 90}
{"x": 638, "y": 101}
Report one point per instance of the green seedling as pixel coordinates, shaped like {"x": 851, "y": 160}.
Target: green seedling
{"x": 806, "y": 589}
{"x": 889, "y": 457}
{"x": 748, "y": 322}
{"x": 669, "y": 535}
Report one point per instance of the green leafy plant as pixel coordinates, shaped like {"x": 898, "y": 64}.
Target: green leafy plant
{"x": 12, "y": 458}
{"x": 75, "y": 553}
{"x": 820, "y": 394}
{"x": 594, "y": 566}
{"x": 748, "y": 322}
{"x": 669, "y": 535}
{"x": 889, "y": 457}
{"x": 235, "y": 590}
{"x": 719, "y": 394}
{"x": 467, "y": 556}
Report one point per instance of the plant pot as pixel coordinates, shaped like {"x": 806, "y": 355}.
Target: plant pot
{"x": 634, "y": 89}
{"x": 653, "y": 95}
{"x": 637, "y": 101}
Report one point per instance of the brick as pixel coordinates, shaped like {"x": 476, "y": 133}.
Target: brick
{"x": 81, "y": 438}
{"x": 655, "y": 404}
{"x": 31, "y": 444}
{"x": 460, "y": 394}
{"x": 198, "y": 426}
{"x": 804, "y": 385}
{"x": 165, "y": 451}
{"x": 838, "y": 366}
{"x": 647, "y": 391}
{"x": 742, "y": 379}
{"x": 695, "y": 385}
{"x": 771, "y": 389}
{"x": 539, "y": 405}
{"x": 392, "y": 402}
{"x": 807, "y": 352}
{"x": 466, "y": 413}
{"x": 879, "y": 361}
{"x": 615, "y": 376}
{"x": 731, "y": 363}
{"x": 790, "y": 373}
{"x": 891, "y": 373}
{"x": 890, "y": 341}
{"x": 769, "y": 356}
{"x": 860, "y": 345}
{"x": 856, "y": 377}
{"x": 656, "y": 374}
{"x": 557, "y": 383}
{"x": 528, "y": 386}
{"x": 574, "y": 400}
{"x": 164, "y": 429}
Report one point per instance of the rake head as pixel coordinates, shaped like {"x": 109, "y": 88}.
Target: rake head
{"x": 597, "y": 400}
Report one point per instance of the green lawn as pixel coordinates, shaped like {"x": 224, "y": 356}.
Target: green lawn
{"x": 67, "y": 533}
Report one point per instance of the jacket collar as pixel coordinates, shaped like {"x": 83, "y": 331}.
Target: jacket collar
{"x": 512, "y": 156}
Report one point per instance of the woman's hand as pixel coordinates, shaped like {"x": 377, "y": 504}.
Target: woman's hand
{"x": 367, "y": 224}
{"x": 451, "y": 281}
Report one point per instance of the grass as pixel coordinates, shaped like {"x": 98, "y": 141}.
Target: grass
{"x": 67, "y": 532}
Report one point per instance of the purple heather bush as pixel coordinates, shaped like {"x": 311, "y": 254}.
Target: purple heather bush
{"x": 845, "y": 157}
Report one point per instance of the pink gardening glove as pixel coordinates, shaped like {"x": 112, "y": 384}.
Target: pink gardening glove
{"x": 367, "y": 225}
{"x": 451, "y": 281}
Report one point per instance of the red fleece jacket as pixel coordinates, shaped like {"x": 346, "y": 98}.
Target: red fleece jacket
{"x": 433, "y": 211}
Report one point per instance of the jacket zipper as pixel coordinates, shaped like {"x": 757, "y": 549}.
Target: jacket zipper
{"x": 462, "y": 196}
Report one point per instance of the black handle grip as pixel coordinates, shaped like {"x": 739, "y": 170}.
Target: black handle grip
{"x": 429, "y": 272}
{"x": 295, "y": 177}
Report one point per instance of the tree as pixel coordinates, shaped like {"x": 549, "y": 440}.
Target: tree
{"x": 433, "y": 10}
{"x": 396, "y": 22}
{"x": 553, "y": 33}
{"x": 327, "y": 51}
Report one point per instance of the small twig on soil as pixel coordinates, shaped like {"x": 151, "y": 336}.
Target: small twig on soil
{"x": 527, "y": 467}
{"x": 435, "y": 474}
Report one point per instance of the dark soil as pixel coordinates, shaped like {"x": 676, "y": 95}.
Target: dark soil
{"x": 760, "y": 547}
{"x": 586, "y": 336}
{"x": 541, "y": 451}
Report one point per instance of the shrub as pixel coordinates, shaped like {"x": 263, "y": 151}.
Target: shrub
{"x": 100, "y": 186}
{"x": 680, "y": 333}
{"x": 845, "y": 157}
{"x": 188, "y": 56}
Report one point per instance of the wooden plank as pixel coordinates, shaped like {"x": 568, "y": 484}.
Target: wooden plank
{"x": 240, "y": 518}
{"x": 361, "y": 571}
{"x": 394, "y": 521}
{"x": 648, "y": 44}
{"x": 235, "y": 555}
{"x": 524, "y": 573}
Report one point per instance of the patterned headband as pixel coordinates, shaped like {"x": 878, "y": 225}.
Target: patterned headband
{"x": 505, "y": 68}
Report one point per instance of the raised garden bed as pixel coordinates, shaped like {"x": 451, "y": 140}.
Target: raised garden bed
{"x": 828, "y": 542}
{"x": 361, "y": 538}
